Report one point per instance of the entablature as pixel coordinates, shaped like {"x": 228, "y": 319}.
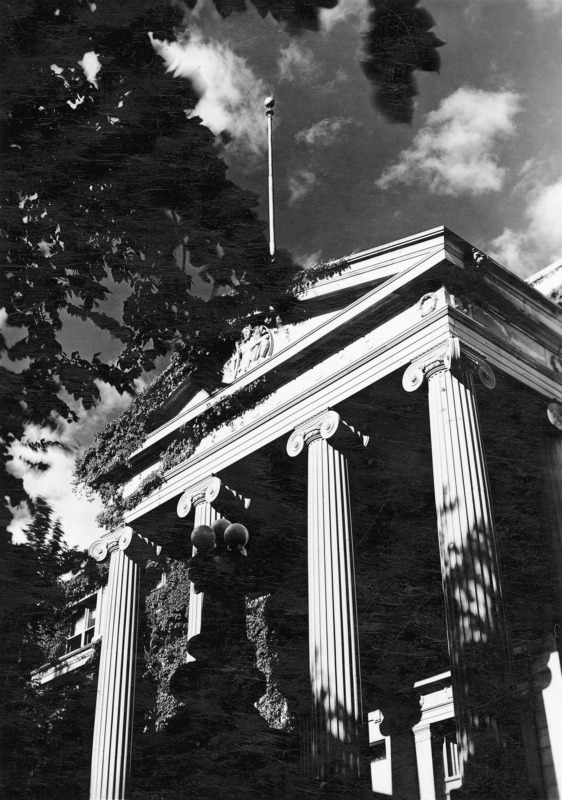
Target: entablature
{"x": 356, "y": 365}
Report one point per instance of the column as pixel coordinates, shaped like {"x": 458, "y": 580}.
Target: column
{"x": 424, "y": 760}
{"x": 548, "y": 681}
{"x": 477, "y": 633}
{"x": 333, "y": 643}
{"x": 114, "y": 701}
{"x": 207, "y": 497}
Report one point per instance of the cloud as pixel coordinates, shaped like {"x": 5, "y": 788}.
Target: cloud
{"x": 346, "y": 10}
{"x": 308, "y": 260}
{"x": 231, "y": 95}
{"x": 546, "y": 7}
{"x": 77, "y": 514}
{"x": 325, "y": 132}
{"x": 296, "y": 62}
{"x": 540, "y": 243}
{"x": 300, "y": 184}
{"x": 452, "y": 153}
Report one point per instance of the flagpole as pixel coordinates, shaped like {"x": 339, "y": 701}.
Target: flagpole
{"x": 269, "y": 104}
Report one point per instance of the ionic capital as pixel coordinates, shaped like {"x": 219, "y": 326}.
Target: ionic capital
{"x": 101, "y": 549}
{"x": 192, "y": 497}
{"x": 211, "y": 490}
{"x": 132, "y": 544}
{"x": 330, "y": 426}
{"x": 448, "y": 355}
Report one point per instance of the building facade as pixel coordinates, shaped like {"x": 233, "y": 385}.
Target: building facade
{"x": 394, "y": 451}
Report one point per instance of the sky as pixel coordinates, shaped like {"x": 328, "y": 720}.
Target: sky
{"x": 482, "y": 155}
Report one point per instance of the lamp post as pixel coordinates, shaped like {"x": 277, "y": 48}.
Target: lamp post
{"x": 221, "y": 570}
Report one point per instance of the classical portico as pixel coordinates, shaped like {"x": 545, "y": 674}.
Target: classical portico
{"x": 424, "y": 318}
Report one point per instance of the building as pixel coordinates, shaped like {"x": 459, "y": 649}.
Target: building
{"x": 394, "y": 450}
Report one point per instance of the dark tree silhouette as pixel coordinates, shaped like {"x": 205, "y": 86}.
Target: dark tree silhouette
{"x": 398, "y": 42}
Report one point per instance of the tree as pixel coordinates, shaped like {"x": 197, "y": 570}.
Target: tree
{"x": 103, "y": 185}
{"x": 33, "y": 614}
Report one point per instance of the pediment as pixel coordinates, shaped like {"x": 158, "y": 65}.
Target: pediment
{"x": 386, "y": 287}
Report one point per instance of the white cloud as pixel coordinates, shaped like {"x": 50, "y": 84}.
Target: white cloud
{"x": 344, "y": 11}
{"x": 540, "y": 243}
{"x": 300, "y": 184}
{"x": 325, "y": 132}
{"x": 76, "y": 513}
{"x": 546, "y": 7}
{"x": 232, "y": 95}
{"x": 91, "y": 66}
{"x": 296, "y": 62}
{"x": 452, "y": 153}
{"x": 308, "y": 260}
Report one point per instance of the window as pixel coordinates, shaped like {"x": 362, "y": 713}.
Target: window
{"x": 83, "y": 626}
{"x": 451, "y": 760}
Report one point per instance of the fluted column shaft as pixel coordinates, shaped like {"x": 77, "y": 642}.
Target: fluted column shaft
{"x": 477, "y": 632}
{"x": 333, "y": 642}
{"x": 115, "y": 691}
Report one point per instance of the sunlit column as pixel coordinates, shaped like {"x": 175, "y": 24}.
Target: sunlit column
{"x": 477, "y": 633}
{"x": 424, "y": 760}
{"x": 209, "y": 498}
{"x": 115, "y": 692}
{"x": 551, "y": 689}
{"x": 333, "y": 644}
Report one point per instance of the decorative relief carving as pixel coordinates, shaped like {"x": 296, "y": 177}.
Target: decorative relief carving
{"x": 478, "y": 257}
{"x": 328, "y": 425}
{"x": 448, "y": 355}
{"x": 554, "y": 414}
{"x": 427, "y": 304}
{"x": 556, "y": 364}
{"x": 459, "y": 303}
{"x": 255, "y": 346}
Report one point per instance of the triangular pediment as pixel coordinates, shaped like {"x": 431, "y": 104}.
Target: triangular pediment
{"x": 362, "y": 294}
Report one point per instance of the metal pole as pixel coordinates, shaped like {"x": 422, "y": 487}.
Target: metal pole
{"x": 269, "y": 104}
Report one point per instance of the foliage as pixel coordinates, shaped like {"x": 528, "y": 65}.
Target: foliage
{"x": 34, "y": 616}
{"x": 104, "y": 466}
{"x": 137, "y": 198}
{"x": 398, "y": 42}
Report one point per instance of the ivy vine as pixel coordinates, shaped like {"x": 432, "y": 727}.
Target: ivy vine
{"x": 105, "y": 466}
